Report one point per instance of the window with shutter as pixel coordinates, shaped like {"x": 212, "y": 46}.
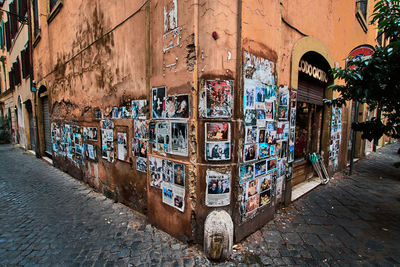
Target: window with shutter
{"x": 8, "y": 35}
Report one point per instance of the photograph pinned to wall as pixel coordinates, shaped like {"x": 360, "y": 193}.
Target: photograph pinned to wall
{"x": 289, "y": 174}
{"x": 155, "y": 168}
{"x": 250, "y": 117}
{"x": 281, "y": 169}
{"x": 261, "y": 137}
{"x": 246, "y": 172}
{"x": 252, "y": 205}
{"x": 114, "y": 113}
{"x": 282, "y": 130}
{"x": 141, "y": 164}
{"x": 251, "y": 188}
{"x": 122, "y": 146}
{"x": 251, "y": 134}
{"x": 293, "y": 117}
{"x": 163, "y": 136}
{"x": 179, "y": 198}
{"x": 140, "y": 129}
{"x": 152, "y": 132}
{"x": 282, "y": 149}
{"x": 283, "y": 96}
{"x": 177, "y": 106}
{"x": 261, "y": 117}
{"x": 269, "y": 110}
{"x": 250, "y": 152}
{"x": 292, "y": 136}
{"x": 260, "y": 94}
{"x": 139, "y": 109}
{"x": 179, "y": 174}
{"x": 272, "y": 150}
{"x": 272, "y": 164}
{"x": 123, "y": 113}
{"x": 270, "y": 92}
{"x": 158, "y": 102}
{"x": 135, "y": 147}
{"x": 270, "y": 137}
{"x": 263, "y": 150}
{"x": 265, "y": 197}
{"x": 167, "y": 193}
{"x": 279, "y": 188}
{"x": 264, "y": 183}
{"x": 218, "y": 151}
{"x": 107, "y": 144}
{"x": 270, "y": 126}
{"x": 98, "y": 114}
{"x": 219, "y": 95}
{"x": 143, "y": 146}
{"x": 249, "y": 95}
{"x": 90, "y": 133}
{"x": 291, "y": 154}
{"x": 90, "y": 152}
{"x": 283, "y": 112}
{"x": 293, "y": 99}
{"x": 217, "y": 131}
{"x": 260, "y": 168}
{"x": 179, "y": 138}
{"x": 168, "y": 170}
{"x": 218, "y": 191}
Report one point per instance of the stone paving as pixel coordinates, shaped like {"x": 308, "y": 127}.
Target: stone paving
{"x": 49, "y": 218}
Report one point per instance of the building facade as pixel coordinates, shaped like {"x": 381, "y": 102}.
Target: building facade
{"x": 16, "y": 98}
{"x": 178, "y": 108}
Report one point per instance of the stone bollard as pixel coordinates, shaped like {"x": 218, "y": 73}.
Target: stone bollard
{"x": 218, "y": 235}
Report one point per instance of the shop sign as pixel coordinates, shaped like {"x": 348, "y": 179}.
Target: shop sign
{"x": 313, "y": 71}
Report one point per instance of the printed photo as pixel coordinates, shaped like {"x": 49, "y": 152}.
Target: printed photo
{"x": 250, "y": 117}
{"x": 279, "y": 188}
{"x": 140, "y": 129}
{"x": 246, "y": 172}
{"x": 260, "y": 94}
{"x": 179, "y": 174}
{"x": 272, "y": 150}
{"x": 90, "y": 133}
{"x": 292, "y": 136}
{"x": 142, "y": 148}
{"x": 251, "y": 188}
{"x": 218, "y": 151}
{"x": 218, "y": 188}
{"x": 281, "y": 167}
{"x": 152, "y": 132}
{"x": 123, "y": 113}
{"x": 122, "y": 147}
{"x": 141, "y": 164}
{"x": 261, "y": 135}
{"x": 90, "y": 152}
{"x": 177, "y": 106}
{"x": 216, "y": 131}
{"x": 291, "y": 154}
{"x": 282, "y": 149}
{"x": 219, "y": 98}
{"x": 283, "y": 112}
{"x": 283, "y": 99}
{"x": 265, "y": 183}
{"x": 270, "y": 92}
{"x": 270, "y": 137}
{"x": 179, "y": 140}
{"x": 282, "y": 130}
{"x": 139, "y": 109}
{"x": 156, "y": 179}
{"x": 293, "y": 117}
{"x": 250, "y": 152}
{"x": 272, "y": 164}
{"x": 158, "y": 102}
{"x": 251, "y": 134}
{"x": 252, "y": 205}
{"x": 135, "y": 147}
{"x": 265, "y": 197}
{"x": 249, "y": 98}
{"x": 260, "y": 168}
{"x": 107, "y": 124}
{"x": 270, "y": 110}
{"x": 163, "y": 136}
{"x": 263, "y": 150}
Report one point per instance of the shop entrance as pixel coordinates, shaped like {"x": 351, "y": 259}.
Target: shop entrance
{"x": 312, "y": 82}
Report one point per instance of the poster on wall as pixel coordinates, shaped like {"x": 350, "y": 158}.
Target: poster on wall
{"x": 158, "y": 102}
{"x": 139, "y": 109}
{"x": 265, "y": 190}
{"x": 141, "y": 164}
{"x": 246, "y": 172}
{"x": 250, "y": 152}
{"x": 179, "y": 138}
{"x": 270, "y": 110}
{"x": 219, "y": 95}
{"x": 218, "y": 151}
{"x": 336, "y": 136}
{"x": 279, "y": 188}
{"x": 107, "y": 144}
{"x": 90, "y": 133}
{"x": 122, "y": 146}
{"x": 90, "y": 152}
{"x": 217, "y": 131}
{"x": 282, "y": 130}
{"x": 218, "y": 188}
{"x": 177, "y": 106}
{"x": 162, "y": 136}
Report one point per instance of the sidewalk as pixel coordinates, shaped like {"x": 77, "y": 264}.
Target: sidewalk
{"x": 351, "y": 221}
{"x": 49, "y": 218}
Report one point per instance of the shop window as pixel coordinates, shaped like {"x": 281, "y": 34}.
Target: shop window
{"x": 53, "y": 9}
{"x": 361, "y": 13}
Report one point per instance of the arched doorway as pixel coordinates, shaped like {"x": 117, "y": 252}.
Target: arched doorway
{"x": 45, "y": 119}
{"x": 313, "y": 79}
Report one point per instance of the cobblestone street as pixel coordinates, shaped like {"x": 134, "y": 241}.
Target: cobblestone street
{"x": 49, "y": 218}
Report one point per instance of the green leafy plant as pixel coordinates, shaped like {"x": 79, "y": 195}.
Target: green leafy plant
{"x": 376, "y": 80}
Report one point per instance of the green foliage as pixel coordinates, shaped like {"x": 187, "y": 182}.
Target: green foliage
{"x": 376, "y": 80}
